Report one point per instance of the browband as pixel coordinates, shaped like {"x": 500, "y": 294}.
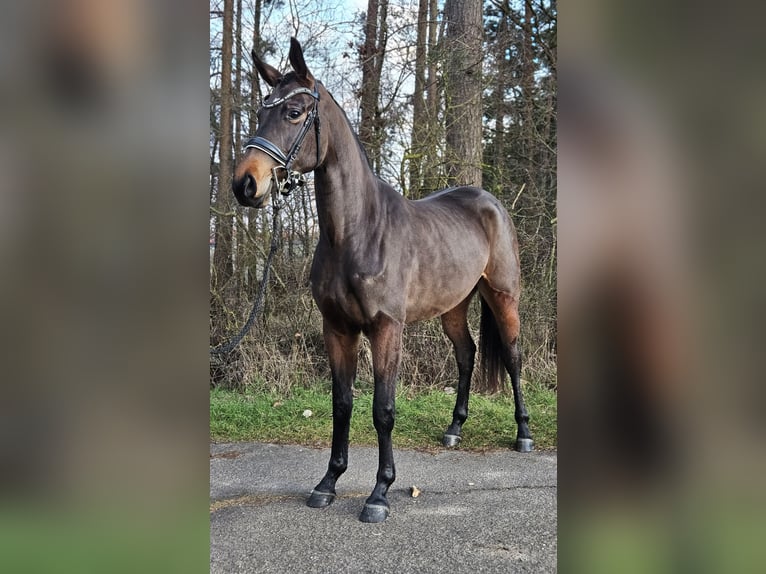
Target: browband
{"x": 313, "y": 93}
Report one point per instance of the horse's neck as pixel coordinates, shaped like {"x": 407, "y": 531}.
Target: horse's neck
{"x": 347, "y": 193}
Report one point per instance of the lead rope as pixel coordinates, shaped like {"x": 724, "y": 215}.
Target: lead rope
{"x": 276, "y": 234}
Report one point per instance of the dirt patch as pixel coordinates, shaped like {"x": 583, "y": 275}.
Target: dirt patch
{"x": 227, "y": 454}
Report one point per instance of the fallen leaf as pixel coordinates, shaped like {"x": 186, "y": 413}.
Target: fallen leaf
{"x": 414, "y": 491}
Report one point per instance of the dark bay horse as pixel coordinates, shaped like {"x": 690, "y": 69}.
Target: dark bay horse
{"x": 382, "y": 261}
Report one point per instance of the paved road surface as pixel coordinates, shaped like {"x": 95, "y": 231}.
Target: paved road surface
{"x": 491, "y": 512}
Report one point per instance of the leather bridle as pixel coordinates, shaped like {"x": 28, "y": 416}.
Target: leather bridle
{"x": 294, "y": 178}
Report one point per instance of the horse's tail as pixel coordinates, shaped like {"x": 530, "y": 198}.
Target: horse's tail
{"x": 491, "y": 350}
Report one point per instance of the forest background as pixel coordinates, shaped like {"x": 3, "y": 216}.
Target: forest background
{"x": 441, "y": 92}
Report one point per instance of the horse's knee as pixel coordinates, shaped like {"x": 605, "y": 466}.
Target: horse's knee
{"x": 342, "y": 405}
{"x": 383, "y": 417}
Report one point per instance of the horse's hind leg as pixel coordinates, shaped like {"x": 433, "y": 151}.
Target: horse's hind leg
{"x": 505, "y": 309}
{"x": 455, "y": 325}
{"x": 524, "y": 442}
{"x": 343, "y": 352}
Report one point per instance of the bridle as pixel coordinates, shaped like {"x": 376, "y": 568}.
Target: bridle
{"x": 294, "y": 178}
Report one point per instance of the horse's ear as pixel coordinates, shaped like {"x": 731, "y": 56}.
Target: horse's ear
{"x": 269, "y": 74}
{"x": 297, "y": 62}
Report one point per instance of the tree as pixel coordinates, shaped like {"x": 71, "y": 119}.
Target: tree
{"x": 371, "y": 129}
{"x": 419, "y": 127}
{"x": 431, "y": 160}
{"x": 255, "y": 84}
{"x": 463, "y": 111}
{"x": 222, "y": 257}
{"x": 425, "y": 144}
{"x": 519, "y": 155}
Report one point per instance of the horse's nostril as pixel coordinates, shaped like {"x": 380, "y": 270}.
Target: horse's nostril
{"x": 249, "y": 186}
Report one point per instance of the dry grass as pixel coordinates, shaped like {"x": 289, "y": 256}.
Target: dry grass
{"x": 285, "y": 346}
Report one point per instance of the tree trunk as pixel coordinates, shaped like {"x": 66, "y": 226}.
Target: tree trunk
{"x": 238, "y": 85}
{"x": 463, "y": 113}
{"x": 375, "y": 35}
{"x": 528, "y": 88}
{"x": 256, "y": 219}
{"x": 214, "y": 152}
{"x": 255, "y": 85}
{"x": 431, "y": 160}
{"x": 222, "y": 258}
{"x": 238, "y": 250}
{"x": 502, "y": 77}
{"x": 419, "y": 125}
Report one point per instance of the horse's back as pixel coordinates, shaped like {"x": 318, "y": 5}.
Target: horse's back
{"x": 464, "y": 197}
{"x": 455, "y": 194}
{"x": 476, "y": 229}
{"x": 475, "y": 204}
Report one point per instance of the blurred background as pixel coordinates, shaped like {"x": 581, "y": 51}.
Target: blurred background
{"x": 661, "y": 443}
{"x": 103, "y": 459}
{"x": 104, "y": 227}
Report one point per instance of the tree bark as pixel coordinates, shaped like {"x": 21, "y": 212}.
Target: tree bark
{"x": 431, "y": 160}
{"x": 222, "y": 257}
{"x": 503, "y": 75}
{"x": 463, "y": 113}
{"x": 257, "y": 220}
{"x": 528, "y": 92}
{"x": 373, "y": 50}
{"x": 419, "y": 125}
{"x": 238, "y": 85}
{"x": 255, "y": 85}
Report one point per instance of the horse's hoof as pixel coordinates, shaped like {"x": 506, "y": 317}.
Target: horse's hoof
{"x": 525, "y": 445}
{"x": 320, "y": 499}
{"x": 451, "y": 440}
{"x": 374, "y": 513}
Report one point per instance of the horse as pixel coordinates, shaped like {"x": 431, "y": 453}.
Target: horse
{"x": 383, "y": 261}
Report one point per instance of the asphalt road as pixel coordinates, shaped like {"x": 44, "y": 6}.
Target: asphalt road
{"x": 477, "y": 512}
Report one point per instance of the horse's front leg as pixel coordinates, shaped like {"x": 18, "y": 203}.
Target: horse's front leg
{"x": 386, "y": 343}
{"x": 343, "y": 351}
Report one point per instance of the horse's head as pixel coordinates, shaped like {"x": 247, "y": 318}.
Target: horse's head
{"x": 284, "y": 146}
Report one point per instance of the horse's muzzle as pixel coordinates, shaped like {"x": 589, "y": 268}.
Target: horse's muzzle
{"x": 245, "y": 191}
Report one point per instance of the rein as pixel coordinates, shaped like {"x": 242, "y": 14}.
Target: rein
{"x": 294, "y": 178}
{"x": 285, "y": 186}
{"x": 276, "y": 233}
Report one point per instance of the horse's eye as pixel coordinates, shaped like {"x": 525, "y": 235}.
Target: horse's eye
{"x": 294, "y": 114}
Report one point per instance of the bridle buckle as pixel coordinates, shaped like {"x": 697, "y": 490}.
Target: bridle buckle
{"x": 293, "y": 180}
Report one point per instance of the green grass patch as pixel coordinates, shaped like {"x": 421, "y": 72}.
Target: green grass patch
{"x": 420, "y": 418}
{"x": 117, "y": 540}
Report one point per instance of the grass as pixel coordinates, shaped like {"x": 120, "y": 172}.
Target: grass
{"x": 421, "y": 418}
{"x": 80, "y": 539}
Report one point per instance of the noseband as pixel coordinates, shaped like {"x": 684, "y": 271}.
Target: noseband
{"x": 294, "y": 178}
